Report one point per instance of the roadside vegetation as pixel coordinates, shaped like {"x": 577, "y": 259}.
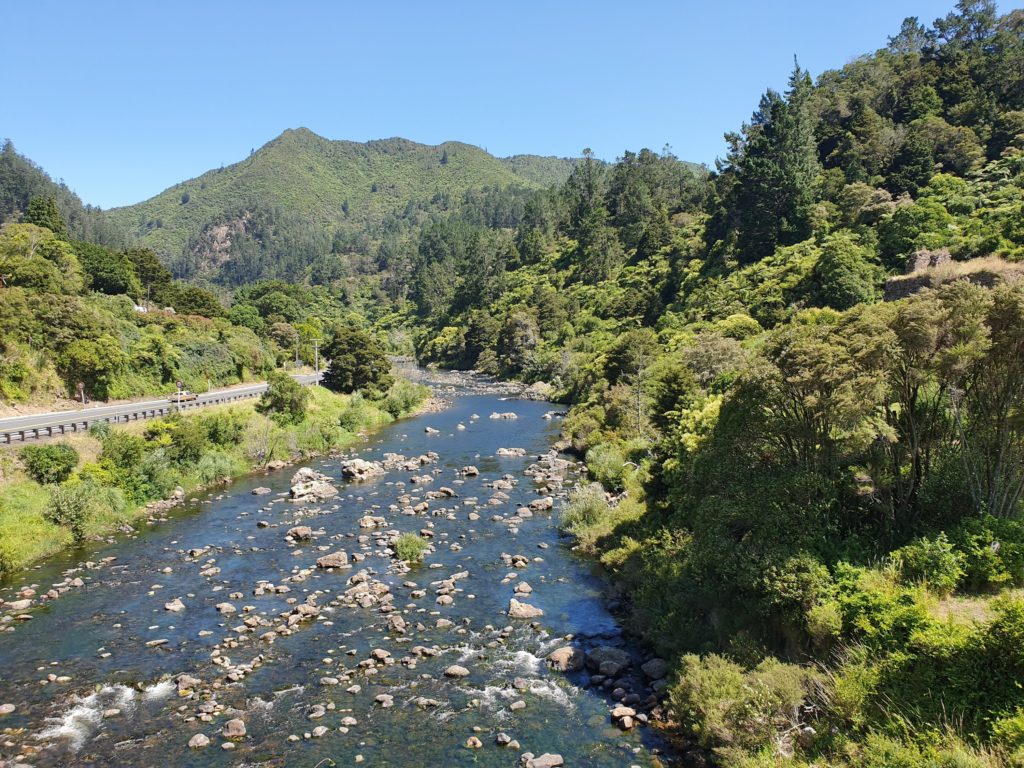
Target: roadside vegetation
{"x": 55, "y": 495}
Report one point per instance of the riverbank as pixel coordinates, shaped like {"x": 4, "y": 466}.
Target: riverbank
{"x": 159, "y": 463}
{"x": 291, "y": 630}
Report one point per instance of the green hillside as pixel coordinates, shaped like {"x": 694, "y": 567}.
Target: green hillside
{"x": 302, "y": 182}
{"x": 21, "y": 180}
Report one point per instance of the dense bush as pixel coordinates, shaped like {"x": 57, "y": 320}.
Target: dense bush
{"x": 285, "y": 400}
{"x": 51, "y": 463}
{"x": 410, "y": 548}
{"x": 932, "y": 562}
{"x": 403, "y": 397}
{"x": 723, "y": 706}
{"x": 68, "y": 507}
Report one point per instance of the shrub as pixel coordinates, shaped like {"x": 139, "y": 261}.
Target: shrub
{"x": 188, "y": 442}
{"x": 724, "y": 706}
{"x": 123, "y": 450}
{"x": 1009, "y": 730}
{"x": 993, "y": 551}
{"x": 824, "y": 623}
{"x": 214, "y": 467}
{"x": 932, "y": 562}
{"x": 320, "y": 435}
{"x": 587, "y": 507}
{"x": 606, "y": 464}
{"x": 285, "y": 400}
{"x": 49, "y": 463}
{"x": 403, "y": 397}
{"x": 357, "y": 415}
{"x": 69, "y": 508}
{"x": 224, "y": 426}
{"x": 410, "y": 548}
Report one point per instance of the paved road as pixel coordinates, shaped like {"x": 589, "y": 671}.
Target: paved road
{"x": 19, "y": 429}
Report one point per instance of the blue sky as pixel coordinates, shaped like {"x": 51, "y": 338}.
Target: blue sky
{"x": 122, "y": 100}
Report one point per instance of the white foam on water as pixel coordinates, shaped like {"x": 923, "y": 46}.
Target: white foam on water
{"x": 85, "y": 716}
{"x": 77, "y": 725}
{"x": 520, "y": 661}
{"x": 289, "y": 690}
{"x": 547, "y": 689}
{"x": 158, "y": 691}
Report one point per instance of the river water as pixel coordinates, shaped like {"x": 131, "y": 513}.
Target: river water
{"x": 91, "y": 686}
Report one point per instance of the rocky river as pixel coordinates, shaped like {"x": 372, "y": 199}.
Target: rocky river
{"x": 268, "y": 623}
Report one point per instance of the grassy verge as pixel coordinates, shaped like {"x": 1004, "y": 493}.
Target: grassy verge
{"x": 120, "y": 470}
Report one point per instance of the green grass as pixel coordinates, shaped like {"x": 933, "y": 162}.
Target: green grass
{"x": 24, "y": 535}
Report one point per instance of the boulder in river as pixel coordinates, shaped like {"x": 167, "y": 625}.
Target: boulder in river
{"x": 301, "y": 532}
{"x": 608, "y": 661}
{"x": 456, "y": 671}
{"x": 361, "y": 469}
{"x": 518, "y": 610}
{"x": 547, "y": 760}
{"x": 337, "y": 559}
{"x": 199, "y": 741}
{"x": 655, "y": 669}
{"x": 567, "y": 659}
{"x": 234, "y": 729}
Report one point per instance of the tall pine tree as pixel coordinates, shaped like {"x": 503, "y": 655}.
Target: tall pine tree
{"x": 775, "y": 163}
{"x": 43, "y": 212}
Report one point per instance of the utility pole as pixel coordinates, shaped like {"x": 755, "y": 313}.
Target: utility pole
{"x": 316, "y": 357}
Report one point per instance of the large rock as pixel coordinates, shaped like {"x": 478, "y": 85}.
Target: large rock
{"x": 655, "y": 669}
{"x": 518, "y": 610}
{"x": 234, "y": 729}
{"x": 360, "y": 469}
{"x": 456, "y": 671}
{"x": 337, "y": 559}
{"x": 608, "y": 661}
{"x": 313, "y": 490}
{"x": 307, "y": 475}
{"x": 547, "y": 760}
{"x": 567, "y": 659}
{"x": 301, "y": 532}
{"x": 199, "y": 741}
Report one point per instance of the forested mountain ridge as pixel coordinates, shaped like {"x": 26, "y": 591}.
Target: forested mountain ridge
{"x": 301, "y": 196}
{"x": 21, "y": 180}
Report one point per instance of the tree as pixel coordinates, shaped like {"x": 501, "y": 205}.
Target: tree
{"x": 357, "y": 362}
{"x": 109, "y": 271}
{"x": 629, "y": 362}
{"x": 94, "y": 363}
{"x": 154, "y": 276}
{"x": 43, "y": 212}
{"x": 775, "y": 164}
{"x": 518, "y": 338}
{"x": 847, "y": 273}
{"x": 285, "y": 400}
